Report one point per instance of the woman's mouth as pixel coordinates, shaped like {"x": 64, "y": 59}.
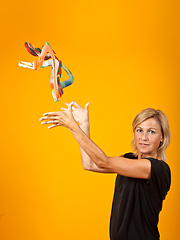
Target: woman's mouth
{"x": 143, "y": 144}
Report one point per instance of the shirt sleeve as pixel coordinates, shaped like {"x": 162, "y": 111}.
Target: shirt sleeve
{"x": 160, "y": 177}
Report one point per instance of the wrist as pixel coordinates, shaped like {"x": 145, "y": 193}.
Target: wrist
{"x": 73, "y": 127}
{"x": 85, "y": 128}
{"x": 84, "y": 125}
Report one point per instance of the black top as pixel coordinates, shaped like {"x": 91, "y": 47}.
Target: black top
{"x": 137, "y": 203}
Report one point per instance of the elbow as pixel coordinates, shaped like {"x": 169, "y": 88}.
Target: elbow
{"x": 86, "y": 168}
{"x": 103, "y": 163}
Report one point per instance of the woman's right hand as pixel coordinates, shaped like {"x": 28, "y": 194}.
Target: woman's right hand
{"x": 81, "y": 115}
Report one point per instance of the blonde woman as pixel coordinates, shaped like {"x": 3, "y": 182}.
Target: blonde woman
{"x": 143, "y": 177}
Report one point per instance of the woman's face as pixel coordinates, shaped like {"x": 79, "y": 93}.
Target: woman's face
{"x": 147, "y": 137}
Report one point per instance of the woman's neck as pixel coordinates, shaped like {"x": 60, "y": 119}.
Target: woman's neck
{"x": 144, "y": 155}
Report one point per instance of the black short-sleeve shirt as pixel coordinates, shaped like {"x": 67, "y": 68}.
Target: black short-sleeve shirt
{"x": 137, "y": 203}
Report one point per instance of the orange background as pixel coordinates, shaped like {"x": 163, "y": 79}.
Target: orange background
{"x": 124, "y": 56}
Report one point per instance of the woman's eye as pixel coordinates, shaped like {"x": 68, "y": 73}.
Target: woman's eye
{"x": 152, "y": 132}
{"x": 139, "y": 130}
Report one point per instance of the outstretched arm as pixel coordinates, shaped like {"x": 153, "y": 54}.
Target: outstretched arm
{"x": 131, "y": 168}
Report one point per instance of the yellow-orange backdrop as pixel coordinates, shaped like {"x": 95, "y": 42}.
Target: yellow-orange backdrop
{"x": 124, "y": 56}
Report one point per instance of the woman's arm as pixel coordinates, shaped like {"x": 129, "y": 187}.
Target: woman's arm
{"x": 87, "y": 163}
{"x": 139, "y": 168}
{"x": 81, "y": 115}
{"x": 131, "y": 168}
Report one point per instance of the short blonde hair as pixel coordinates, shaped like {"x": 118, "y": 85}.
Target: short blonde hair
{"x": 163, "y": 122}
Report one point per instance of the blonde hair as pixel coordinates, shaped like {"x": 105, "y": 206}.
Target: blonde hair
{"x": 163, "y": 122}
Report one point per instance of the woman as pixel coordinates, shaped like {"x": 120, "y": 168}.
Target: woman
{"x": 143, "y": 178}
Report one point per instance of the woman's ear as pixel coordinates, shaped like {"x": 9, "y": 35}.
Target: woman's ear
{"x": 162, "y": 139}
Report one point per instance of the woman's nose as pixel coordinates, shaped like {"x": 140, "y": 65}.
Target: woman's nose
{"x": 144, "y": 136}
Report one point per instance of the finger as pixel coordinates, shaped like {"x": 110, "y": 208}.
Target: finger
{"x": 76, "y": 104}
{"x": 49, "y": 122}
{"x": 52, "y": 126}
{"x": 51, "y": 114}
{"x": 67, "y": 104}
{"x": 64, "y": 109}
{"x": 49, "y": 118}
{"x": 70, "y": 106}
{"x": 87, "y": 105}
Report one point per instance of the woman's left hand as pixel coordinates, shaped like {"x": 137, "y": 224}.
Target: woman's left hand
{"x": 63, "y": 118}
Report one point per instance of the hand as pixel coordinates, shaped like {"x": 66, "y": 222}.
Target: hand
{"x": 64, "y": 118}
{"x": 81, "y": 115}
